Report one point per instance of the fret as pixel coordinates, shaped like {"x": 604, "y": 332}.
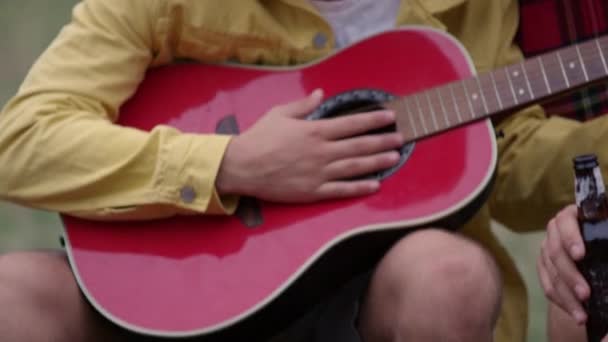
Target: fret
{"x": 403, "y": 120}
{"x": 542, "y": 69}
{"x": 420, "y": 115}
{"x": 555, "y": 74}
{"x": 434, "y": 110}
{"x": 511, "y": 85}
{"x": 535, "y": 78}
{"x": 592, "y": 60}
{"x": 523, "y": 69}
{"x": 575, "y": 71}
{"x": 468, "y": 97}
{"x": 603, "y": 51}
{"x": 488, "y": 88}
{"x": 580, "y": 58}
{"x": 599, "y": 48}
{"x": 483, "y": 98}
{"x": 520, "y": 87}
{"x": 475, "y": 96}
{"x": 503, "y": 89}
{"x": 428, "y": 100}
{"x": 411, "y": 116}
{"x": 451, "y": 87}
{"x": 500, "y": 106}
{"x": 561, "y": 65}
{"x": 445, "y": 112}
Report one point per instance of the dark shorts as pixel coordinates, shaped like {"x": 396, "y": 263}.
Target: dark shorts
{"x": 332, "y": 321}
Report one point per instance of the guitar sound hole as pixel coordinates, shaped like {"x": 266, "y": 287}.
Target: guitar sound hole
{"x": 359, "y": 101}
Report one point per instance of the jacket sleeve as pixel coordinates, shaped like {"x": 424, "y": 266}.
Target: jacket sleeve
{"x": 59, "y": 147}
{"x": 535, "y": 176}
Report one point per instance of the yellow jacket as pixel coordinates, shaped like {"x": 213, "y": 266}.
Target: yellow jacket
{"x": 59, "y": 150}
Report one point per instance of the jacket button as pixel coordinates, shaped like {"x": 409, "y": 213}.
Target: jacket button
{"x": 187, "y": 194}
{"x": 319, "y": 40}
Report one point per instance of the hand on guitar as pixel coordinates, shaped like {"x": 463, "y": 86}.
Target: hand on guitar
{"x": 285, "y": 158}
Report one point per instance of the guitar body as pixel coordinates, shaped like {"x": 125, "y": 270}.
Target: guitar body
{"x": 217, "y": 278}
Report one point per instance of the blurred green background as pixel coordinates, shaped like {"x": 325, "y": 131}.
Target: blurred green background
{"x": 28, "y": 27}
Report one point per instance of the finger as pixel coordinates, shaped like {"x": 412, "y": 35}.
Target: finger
{"x": 354, "y": 124}
{"x": 572, "y": 278}
{"x": 364, "y": 145}
{"x": 345, "y": 189}
{"x": 569, "y": 231}
{"x": 551, "y": 248}
{"x": 560, "y": 263}
{"x": 303, "y": 107}
{"x": 549, "y": 272}
{"x": 361, "y": 166}
{"x": 569, "y": 303}
{"x": 545, "y": 280}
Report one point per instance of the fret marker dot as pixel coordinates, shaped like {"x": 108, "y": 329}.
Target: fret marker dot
{"x": 521, "y": 91}
{"x": 571, "y": 65}
{"x": 474, "y": 96}
{"x": 515, "y": 73}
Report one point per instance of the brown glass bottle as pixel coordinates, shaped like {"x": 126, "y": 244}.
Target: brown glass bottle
{"x": 592, "y": 206}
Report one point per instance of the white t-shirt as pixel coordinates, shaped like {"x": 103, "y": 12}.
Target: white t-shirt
{"x": 353, "y": 20}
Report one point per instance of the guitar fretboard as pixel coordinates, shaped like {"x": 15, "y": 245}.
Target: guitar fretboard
{"x": 505, "y": 89}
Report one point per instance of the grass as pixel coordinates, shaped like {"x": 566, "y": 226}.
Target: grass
{"x": 28, "y": 26}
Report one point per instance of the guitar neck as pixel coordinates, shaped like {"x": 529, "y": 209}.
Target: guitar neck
{"x": 502, "y": 90}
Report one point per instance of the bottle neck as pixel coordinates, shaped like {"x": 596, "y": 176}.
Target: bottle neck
{"x": 590, "y": 194}
{"x": 588, "y": 183}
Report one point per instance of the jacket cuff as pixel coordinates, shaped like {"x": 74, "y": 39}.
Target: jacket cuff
{"x": 187, "y": 173}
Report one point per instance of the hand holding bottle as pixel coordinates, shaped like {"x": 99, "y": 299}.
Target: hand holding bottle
{"x": 563, "y": 245}
{"x": 573, "y": 265}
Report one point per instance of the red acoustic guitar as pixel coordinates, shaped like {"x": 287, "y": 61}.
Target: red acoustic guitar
{"x": 245, "y": 276}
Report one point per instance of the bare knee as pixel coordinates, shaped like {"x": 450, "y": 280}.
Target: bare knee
{"x": 446, "y": 264}
{"x": 453, "y": 268}
{"x": 433, "y": 270}
{"x": 42, "y": 293}
{"x": 43, "y": 276}
{"x": 39, "y": 289}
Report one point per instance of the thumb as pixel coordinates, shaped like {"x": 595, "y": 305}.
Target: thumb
{"x": 301, "y": 108}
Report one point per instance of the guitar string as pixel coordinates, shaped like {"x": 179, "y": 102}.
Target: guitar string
{"x": 534, "y": 73}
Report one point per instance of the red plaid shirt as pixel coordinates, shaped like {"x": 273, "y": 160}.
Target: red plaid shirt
{"x": 549, "y": 24}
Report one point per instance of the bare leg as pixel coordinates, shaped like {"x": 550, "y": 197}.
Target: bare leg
{"x": 432, "y": 286}
{"x": 40, "y": 302}
{"x": 562, "y": 328}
